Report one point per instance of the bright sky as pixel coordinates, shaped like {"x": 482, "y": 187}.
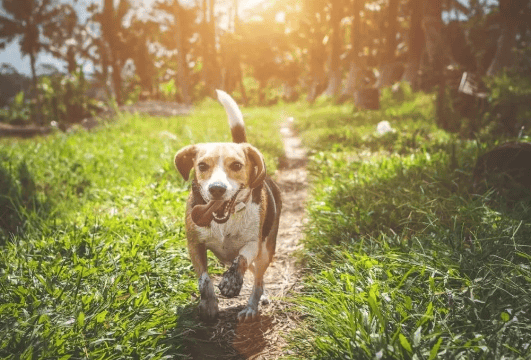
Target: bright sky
{"x": 11, "y": 54}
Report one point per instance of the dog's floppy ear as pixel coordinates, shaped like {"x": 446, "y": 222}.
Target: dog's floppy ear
{"x": 184, "y": 160}
{"x": 257, "y": 160}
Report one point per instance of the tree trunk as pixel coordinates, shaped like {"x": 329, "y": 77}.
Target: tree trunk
{"x": 415, "y": 44}
{"x": 183, "y": 67}
{"x": 239, "y": 64}
{"x": 38, "y": 111}
{"x": 71, "y": 60}
{"x": 33, "y": 72}
{"x": 354, "y": 66}
{"x": 334, "y": 70}
{"x": 351, "y": 83}
{"x": 368, "y": 98}
{"x": 110, "y": 32}
{"x": 317, "y": 51}
{"x": 261, "y": 95}
{"x": 105, "y": 68}
{"x": 318, "y": 77}
{"x": 387, "y": 63}
{"x": 504, "y": 57}
{"x": 204, "y": 41}
{"x": 432, "y": 25}
{"x": 117, "y": 80}
{"x": 215, "y": 73}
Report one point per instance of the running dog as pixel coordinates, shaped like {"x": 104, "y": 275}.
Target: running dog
{"x": 233, "y": 210}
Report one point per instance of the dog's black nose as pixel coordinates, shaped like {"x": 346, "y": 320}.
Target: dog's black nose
{"x": 217, "y": 189}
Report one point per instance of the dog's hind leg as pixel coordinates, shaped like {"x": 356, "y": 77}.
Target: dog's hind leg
{"x": 208, "y": 306}
{"x": 260, "y": 266}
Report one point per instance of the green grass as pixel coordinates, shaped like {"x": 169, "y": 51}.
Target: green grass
{"x": 93, "y": 263}
{"x": 404, "y": 260}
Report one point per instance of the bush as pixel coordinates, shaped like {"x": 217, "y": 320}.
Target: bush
{"x": 509, "y": 103}
{"x": 18, "y": 112}
{"x": 65, "y": 99}
{"x": 168, "y": 90}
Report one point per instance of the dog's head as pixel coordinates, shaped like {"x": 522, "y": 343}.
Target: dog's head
{"x": 222, "y": 169}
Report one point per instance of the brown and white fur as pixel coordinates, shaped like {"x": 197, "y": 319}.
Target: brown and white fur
{"x": 248, "y": 238}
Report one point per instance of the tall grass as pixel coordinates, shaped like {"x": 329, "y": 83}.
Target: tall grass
{"x": 405, "y": 260}
{"x": 100, "y": 268}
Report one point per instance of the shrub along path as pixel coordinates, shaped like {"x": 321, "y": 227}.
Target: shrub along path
{"x": 147, "y": 108}
{"x": 264, "y": 338}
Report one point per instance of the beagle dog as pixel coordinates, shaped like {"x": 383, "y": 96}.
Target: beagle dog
{"x": 233, "y": 210}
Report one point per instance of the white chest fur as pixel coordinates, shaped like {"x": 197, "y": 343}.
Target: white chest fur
{"x": 226, "y": 240}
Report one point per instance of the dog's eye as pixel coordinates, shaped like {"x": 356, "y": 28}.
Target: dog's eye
{"x": 236, "y": 166}
{"x": 203, "y": 167}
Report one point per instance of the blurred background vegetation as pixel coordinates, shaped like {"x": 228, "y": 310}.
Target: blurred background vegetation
{"x": 475, "y": 53}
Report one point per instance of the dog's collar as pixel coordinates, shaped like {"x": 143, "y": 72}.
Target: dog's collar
{"x": 240, "y": 205}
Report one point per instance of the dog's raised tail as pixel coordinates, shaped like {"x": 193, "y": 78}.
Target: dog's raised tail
{"x": 237, "y": 127}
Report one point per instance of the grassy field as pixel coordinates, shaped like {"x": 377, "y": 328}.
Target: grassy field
{"x": 404, "y": 260}
{"x": 98, "y": 267}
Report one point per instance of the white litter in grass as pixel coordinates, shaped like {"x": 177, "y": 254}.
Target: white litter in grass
{"x": 384, "y": 127}
{"x": 168, "y": 135}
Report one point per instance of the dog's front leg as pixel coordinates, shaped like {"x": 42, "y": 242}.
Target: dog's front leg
{"x": 232, "y": 281}
{"x": 208, "y": 306}
{"x": 261, "y": 262}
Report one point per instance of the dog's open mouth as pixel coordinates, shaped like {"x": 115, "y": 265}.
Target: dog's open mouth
{"x": 217, "y": 210}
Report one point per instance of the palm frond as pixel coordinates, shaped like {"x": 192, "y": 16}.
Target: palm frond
{"x": 9, "y": 28}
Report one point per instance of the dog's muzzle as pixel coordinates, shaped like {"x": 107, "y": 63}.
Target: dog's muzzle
{"x": 217, "y": 190}
{"x": 217, "y": 210}
{"x": 223, "y": 214}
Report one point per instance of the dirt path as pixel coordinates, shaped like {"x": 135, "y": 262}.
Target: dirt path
{"x": 263, "y": 339}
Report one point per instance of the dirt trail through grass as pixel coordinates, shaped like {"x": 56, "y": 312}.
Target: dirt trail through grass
{"x": 263, "y": 339}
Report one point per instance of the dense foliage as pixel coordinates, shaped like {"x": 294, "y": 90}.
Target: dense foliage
{"x": 279, "y": 49}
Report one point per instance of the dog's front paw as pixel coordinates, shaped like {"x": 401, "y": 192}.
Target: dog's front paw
{"x": 248, "y": 314}
{"x": 208, "y": 309}
{"x": 208, "y": 306}
{"x": 232, "y": 281}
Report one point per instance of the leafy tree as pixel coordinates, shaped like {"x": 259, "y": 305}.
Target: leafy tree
{"x": 432, "y": 26}
{"x": 387, "y": 57}
{"x": 263, "y": 47}
{"x": 67, "y": 39}
{"x": 112, "y": 45}
{"x": 179, "y": 27}
{"x": 415, "y": 43}
{"x": 313, "y": 29}
{"x": 230, "y": 44}
{"x": 24, "y": 20}
{"x": 355, "y": 47}
{"x": 511, "y": 13}
{"x": 11, "y": 83}
{"x": 139, "y": 37}
{"x": 334, "y": 65}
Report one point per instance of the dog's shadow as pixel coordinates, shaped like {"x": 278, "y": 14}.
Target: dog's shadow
{"x": 224, "y": 338}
